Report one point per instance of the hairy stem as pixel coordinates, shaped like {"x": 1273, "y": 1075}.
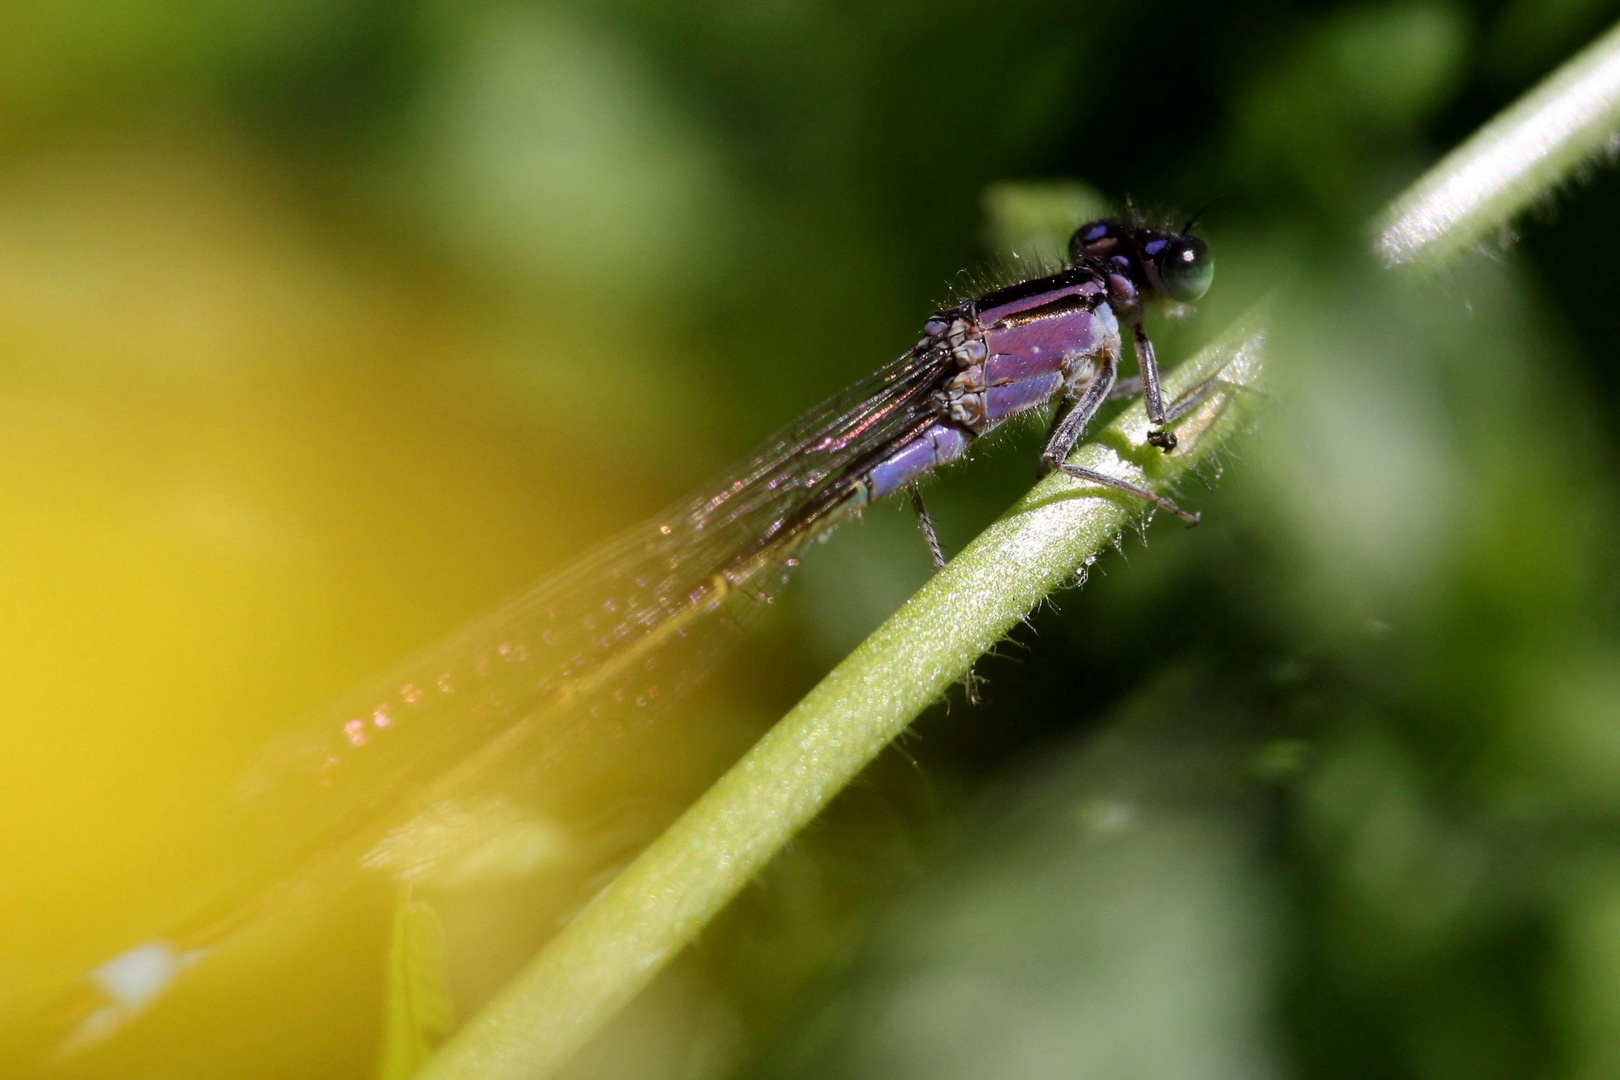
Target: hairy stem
{"x": 1519, "y": 157}
{"x": 652, "y": 910}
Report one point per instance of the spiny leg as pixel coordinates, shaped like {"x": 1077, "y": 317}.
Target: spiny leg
{"x": 1072, "y": 417}
{"x": 935, "y": 552}
{"x": 1195, "y": 397}
{"x": 1079, "y": 472}
{"x": 1148, "y": 366}
{"x": 970, "y": 681}
{"x": 1186, "y": 403}
{"x": 1169, "y": 414}
{"x": 1070, "y": 424}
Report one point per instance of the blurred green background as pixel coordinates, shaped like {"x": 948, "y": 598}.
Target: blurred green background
{"x": 325, "y": 325}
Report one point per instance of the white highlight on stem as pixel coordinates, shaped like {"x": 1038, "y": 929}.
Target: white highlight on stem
{"x": 1515, "y": 159}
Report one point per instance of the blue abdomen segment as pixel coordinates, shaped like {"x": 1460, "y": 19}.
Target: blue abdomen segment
{"x": 935, "y": 446}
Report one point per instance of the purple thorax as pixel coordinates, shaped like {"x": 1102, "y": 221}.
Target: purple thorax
{"x": 1015, "y": 349}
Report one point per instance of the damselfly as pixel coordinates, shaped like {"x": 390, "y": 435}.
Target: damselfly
{"x": 575, "y": 660}
{"x": 611, "y": 626}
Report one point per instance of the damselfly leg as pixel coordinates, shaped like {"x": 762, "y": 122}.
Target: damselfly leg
{"x": 935, "y": 553}
{"x": 1147, "y": 381}
{"x": 1070, "y": 424}
{"x": 1186, "y": 403}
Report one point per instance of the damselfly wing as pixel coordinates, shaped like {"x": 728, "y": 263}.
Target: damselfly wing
{"x": 519, "y": 704}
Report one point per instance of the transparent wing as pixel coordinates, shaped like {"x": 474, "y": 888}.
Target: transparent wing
{"x": 598, "y": 626}
{"x": 533, "y": 704}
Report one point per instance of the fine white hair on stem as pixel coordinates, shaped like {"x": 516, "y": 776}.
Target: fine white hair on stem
{"x": 1553, "y": 133}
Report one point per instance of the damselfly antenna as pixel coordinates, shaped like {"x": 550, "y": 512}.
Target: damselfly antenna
{"x": 1187, "y": 228}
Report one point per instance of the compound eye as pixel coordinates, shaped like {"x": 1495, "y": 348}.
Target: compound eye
{"x": 1184, "y": 269}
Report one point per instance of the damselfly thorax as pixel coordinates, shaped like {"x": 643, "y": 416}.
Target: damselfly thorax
{"x": 1002, "y": 355}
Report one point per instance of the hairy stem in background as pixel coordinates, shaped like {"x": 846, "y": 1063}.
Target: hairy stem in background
{"x": 1520, "y": 156}
{"x": 651, "y": 911}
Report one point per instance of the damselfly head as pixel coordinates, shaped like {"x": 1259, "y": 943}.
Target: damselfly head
{"x": 1175, "y": 265}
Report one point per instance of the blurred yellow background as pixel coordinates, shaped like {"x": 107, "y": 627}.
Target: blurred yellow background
{"x": 326, "y": 326}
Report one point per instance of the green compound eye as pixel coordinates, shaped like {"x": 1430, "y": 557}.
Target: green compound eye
{"x": 1184, "y": 269}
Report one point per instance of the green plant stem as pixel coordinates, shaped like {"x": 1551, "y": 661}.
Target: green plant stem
{"x": 651, "y": 911}
{"x": 654, "y": 908}
{"x": 1520, "y": 156}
